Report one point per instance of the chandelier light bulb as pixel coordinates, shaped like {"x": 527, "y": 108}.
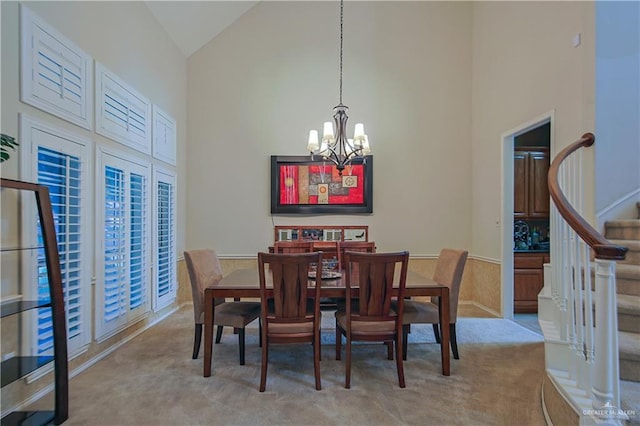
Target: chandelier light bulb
{"x": 327, "y": 133}
{"x": 313, "y": 141}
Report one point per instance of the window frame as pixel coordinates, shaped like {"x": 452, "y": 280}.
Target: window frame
{"x": 134, "y": 164}
{"x": 81, "y": 147}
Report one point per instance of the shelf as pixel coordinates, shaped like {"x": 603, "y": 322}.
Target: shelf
{"x": 12, "y": 308}
{"x": 19, "y": 366}
{"x": 28, "y": 418}
{"x": 8, "y": 249}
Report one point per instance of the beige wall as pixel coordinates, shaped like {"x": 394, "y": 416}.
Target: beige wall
{"x": 524, "y": 66}
{"x": 257, "y": 89}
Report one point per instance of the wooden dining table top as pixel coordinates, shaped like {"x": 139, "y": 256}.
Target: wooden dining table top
{"x": 246, "y": 283}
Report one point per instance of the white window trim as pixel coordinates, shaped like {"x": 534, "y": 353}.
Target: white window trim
{"x": 164, "y": 143}
{"x": 102, "y": 331}
{"x": 165, "y": 175}
{"x": 106, "y": 79}
{"x": 29, "y": 167}
{"x": 29, "y": 22}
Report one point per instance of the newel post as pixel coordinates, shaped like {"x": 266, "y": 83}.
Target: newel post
{"x": 605, "y": 391}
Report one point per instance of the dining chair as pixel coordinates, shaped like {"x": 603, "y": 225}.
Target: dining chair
{"x": 293, "y": 247}
{"x": 449, "y": 269}
{"x": 357, "y": 246}
{"x": 205, "y": 270}
{"x": 371, "y": 318}
{"x": 290, "y": 313}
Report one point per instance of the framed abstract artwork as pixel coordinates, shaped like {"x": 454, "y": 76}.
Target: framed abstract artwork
{"x": 302, "y": 185}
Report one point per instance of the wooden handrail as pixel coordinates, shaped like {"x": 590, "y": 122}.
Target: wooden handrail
{"x": 601, "y": 246}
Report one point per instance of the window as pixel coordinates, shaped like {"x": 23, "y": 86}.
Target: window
{"x": 60, "y": 161}
{"x": 55, "y": 73}
{"x": 123, "y": 260}
{"x": 122, "y": 114}
{"x": 164, "y": 250}
{"x": 164, "y": 136}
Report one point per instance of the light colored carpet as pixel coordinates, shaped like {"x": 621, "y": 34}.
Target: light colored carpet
{"x": 153, "y": 381}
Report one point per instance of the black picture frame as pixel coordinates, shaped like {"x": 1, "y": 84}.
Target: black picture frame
{"x": 277, "y": 161}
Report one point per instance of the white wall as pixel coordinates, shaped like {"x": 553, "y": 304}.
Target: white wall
{"x": 617, "y": 103}
{"x": 524, "y": 65}
{"x": 123, "y": 36}
{"x": 257, "y": 89}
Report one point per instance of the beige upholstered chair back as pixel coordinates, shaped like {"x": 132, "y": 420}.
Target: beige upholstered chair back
{"x": 448, "y": 272}
{"x": 204, "y": 270}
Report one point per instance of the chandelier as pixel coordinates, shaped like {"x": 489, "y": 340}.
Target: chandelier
{"x": 335, "y": 146}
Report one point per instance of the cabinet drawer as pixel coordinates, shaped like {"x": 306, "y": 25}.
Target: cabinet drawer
{"x": 528, "y": 261}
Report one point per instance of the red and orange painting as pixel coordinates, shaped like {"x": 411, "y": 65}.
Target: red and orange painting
{"x": 317, "y": 184}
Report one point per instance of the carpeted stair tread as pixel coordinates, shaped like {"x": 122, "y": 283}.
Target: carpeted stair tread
{"x": 633, "y": 254}
{"x": 629, "y": 355}
{"x": 628, "y": 304}
{"x": 628, "y": 229}
{"x": 628, "y": 313}
{"x": 629, "y": 345}
{"x": 631, "y": 272}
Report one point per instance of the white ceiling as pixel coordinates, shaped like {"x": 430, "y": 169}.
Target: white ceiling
{"x": 192, "y": 24}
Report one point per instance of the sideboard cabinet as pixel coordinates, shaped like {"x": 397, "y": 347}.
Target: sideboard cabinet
{"x": 17, "y": 365}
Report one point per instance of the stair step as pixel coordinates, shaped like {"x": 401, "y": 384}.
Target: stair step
{"x": 628, "y": 279}
{"x": 628, "y": 313}
{"x": 633, "y": 255}
{"x": 622, "y": 229}
{"x": 629, "y": 356}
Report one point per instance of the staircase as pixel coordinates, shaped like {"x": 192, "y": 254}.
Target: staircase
{"x": 627, "y": 234}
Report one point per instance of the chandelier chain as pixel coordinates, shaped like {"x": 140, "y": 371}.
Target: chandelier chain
{"x": 341, "y": 31}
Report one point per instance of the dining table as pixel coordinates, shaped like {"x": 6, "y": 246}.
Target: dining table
{"x": 245, "y": 283}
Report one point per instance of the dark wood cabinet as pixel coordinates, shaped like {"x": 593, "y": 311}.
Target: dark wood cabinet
{"x": 531, "y": 193}
{"x": 528, "y": 280}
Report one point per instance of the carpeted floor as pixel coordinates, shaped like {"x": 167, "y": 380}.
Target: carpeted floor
{"x": 152, "y": 380}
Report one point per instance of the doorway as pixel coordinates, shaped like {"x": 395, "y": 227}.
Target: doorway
{"x": 508, "y": 149}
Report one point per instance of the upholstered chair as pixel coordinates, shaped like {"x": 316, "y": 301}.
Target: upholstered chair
{"x": 448, "y": 272}
{"x": 205, "y": 270}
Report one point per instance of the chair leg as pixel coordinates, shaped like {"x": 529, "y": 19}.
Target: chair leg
{"x": 218, "y": 334}
{"x": 405, "y": 337}
{"x": 347, "y": 378}
{"x": 399, "y": 361}
{"x": 241, "y": 344}
{"x": 316, "y": 357}
{"x": 338, "y": 342}
{"x": 265, "y": 360}
{"x": 196, "y": 341}
{"x": 454, "y": 342}
{"x": 260, "y": 332}
{"x": 436, "y": 332}
{"x": 389, "y": 349}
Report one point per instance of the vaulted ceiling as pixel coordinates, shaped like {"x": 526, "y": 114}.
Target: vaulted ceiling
{"x": 192, "y": 24}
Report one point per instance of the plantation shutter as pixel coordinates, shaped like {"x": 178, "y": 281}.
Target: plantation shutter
{"x": 61, "y": 173}
{"x": 115, "y": 244}
{"x": 165, "y": 223}
{"x": 56, "y": 74}
{"x": 123, "y": 269}
{"x": 122, "y": 114}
